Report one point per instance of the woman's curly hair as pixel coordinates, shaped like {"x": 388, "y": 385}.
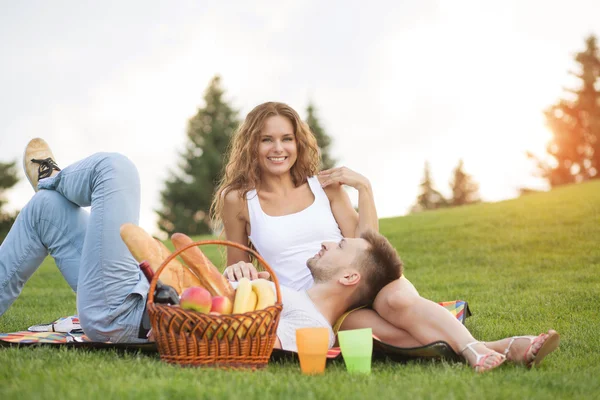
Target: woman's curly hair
{"x": 242, "y": 172}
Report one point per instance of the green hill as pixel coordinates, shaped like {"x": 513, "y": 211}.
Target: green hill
{"x": 524, "y": 265}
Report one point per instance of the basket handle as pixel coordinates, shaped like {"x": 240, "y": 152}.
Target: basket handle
{"x": 204, "y": 243}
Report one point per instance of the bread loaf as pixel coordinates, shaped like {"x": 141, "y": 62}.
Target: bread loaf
{"x": 203, "y": 268}
{"x": 185, "y": 277}
{"x": 144, "y": 247}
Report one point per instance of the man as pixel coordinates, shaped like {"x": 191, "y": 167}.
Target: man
{"x": 112, "y": 291}
{"x": 87, "y": 247}
{"x": 347, "y": 275}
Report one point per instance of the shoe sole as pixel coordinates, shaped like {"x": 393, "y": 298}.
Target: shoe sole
{"x": 25, "y": 168}
{"x": 548, "y": 347}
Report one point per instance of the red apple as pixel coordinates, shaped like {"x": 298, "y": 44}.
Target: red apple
{"x": 221, "y": 305}
{"x": 196, "y": 298}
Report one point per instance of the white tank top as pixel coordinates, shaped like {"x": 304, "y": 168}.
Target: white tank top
{"x": 288, "y": 241}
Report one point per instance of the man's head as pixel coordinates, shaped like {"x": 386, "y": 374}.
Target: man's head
{"x": 363, "y": 265}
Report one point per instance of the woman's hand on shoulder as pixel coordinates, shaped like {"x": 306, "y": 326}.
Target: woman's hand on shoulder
{"x": 343, "y": 176}
{"x": 243, "y": 269}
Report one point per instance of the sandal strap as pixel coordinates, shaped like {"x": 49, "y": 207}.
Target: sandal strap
{"x": 470, "y": 347}
{"x": 480, "y": 358}
{"x": 533, "y": 341}
{"x": 512, "y": 340}
{"x": 478, "y": 355}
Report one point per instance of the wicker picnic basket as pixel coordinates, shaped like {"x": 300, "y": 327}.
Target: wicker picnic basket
{"x": 232, "y": 341}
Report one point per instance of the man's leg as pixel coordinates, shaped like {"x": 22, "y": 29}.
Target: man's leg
{"x": 111, "y": 288}
{"x": 48, "y": 224}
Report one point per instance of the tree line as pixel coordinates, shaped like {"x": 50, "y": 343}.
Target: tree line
{"x": 464, "y": 190}
{"x": 573, "y": 153}
{"x": 8, "y": 178}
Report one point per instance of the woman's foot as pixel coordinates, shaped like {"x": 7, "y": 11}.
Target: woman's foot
{"x": 531, "y": 350}
{"x": 482, "y": 358}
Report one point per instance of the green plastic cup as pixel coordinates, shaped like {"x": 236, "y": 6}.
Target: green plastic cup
{"x": 357, "y": 349}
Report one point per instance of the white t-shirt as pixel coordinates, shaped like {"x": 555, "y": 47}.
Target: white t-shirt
{"x": 298, "y": 312}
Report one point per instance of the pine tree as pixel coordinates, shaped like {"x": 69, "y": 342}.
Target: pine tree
{"x": 428, "y": 198}
{"x": 188, "y": 193}
{"x": 323, "y": 140}
{"x": 464, "y": 189}
{"x": 575, "y": 126}
{"x": 8, "y": 178}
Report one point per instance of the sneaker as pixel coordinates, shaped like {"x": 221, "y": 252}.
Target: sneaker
{"x": 38, "y": 162}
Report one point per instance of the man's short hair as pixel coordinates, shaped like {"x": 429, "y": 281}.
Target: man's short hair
{"x": 379, "y": 266}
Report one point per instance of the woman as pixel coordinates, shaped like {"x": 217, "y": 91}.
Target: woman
{"x": 271, "y": 197}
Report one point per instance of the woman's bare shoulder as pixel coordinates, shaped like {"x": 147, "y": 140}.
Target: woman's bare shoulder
{"x": 233, "y": 199}
{"x": 234, "y": 203}
{"x": 232, "y": 196}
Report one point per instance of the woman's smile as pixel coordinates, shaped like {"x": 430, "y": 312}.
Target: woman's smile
{"x": 277, "y": 160}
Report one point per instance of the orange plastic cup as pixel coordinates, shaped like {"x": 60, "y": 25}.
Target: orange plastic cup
{"x": 313, "y": 344}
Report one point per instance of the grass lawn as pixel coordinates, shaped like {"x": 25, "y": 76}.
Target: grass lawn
{"x": 524, "y": 265}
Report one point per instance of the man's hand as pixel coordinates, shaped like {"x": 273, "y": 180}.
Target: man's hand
{"x": 243, "y": 269}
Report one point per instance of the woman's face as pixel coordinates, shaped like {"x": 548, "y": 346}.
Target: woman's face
{"x": 277, "y": 151}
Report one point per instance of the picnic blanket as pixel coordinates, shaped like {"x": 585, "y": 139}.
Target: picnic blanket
{"x": 73, "y": 337}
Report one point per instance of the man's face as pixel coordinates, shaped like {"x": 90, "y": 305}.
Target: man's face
{"x": 334, "y": 256}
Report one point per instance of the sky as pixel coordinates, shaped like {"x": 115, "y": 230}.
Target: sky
{"x": 395, "y": 83}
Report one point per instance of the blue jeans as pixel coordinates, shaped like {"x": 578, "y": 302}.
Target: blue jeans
{"x": 87, "y": 247}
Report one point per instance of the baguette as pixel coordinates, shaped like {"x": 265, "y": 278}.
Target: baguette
{"x": 185, "y": 277}
{"x": 203, "y": 268}
{"x": 144, "y": 247}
